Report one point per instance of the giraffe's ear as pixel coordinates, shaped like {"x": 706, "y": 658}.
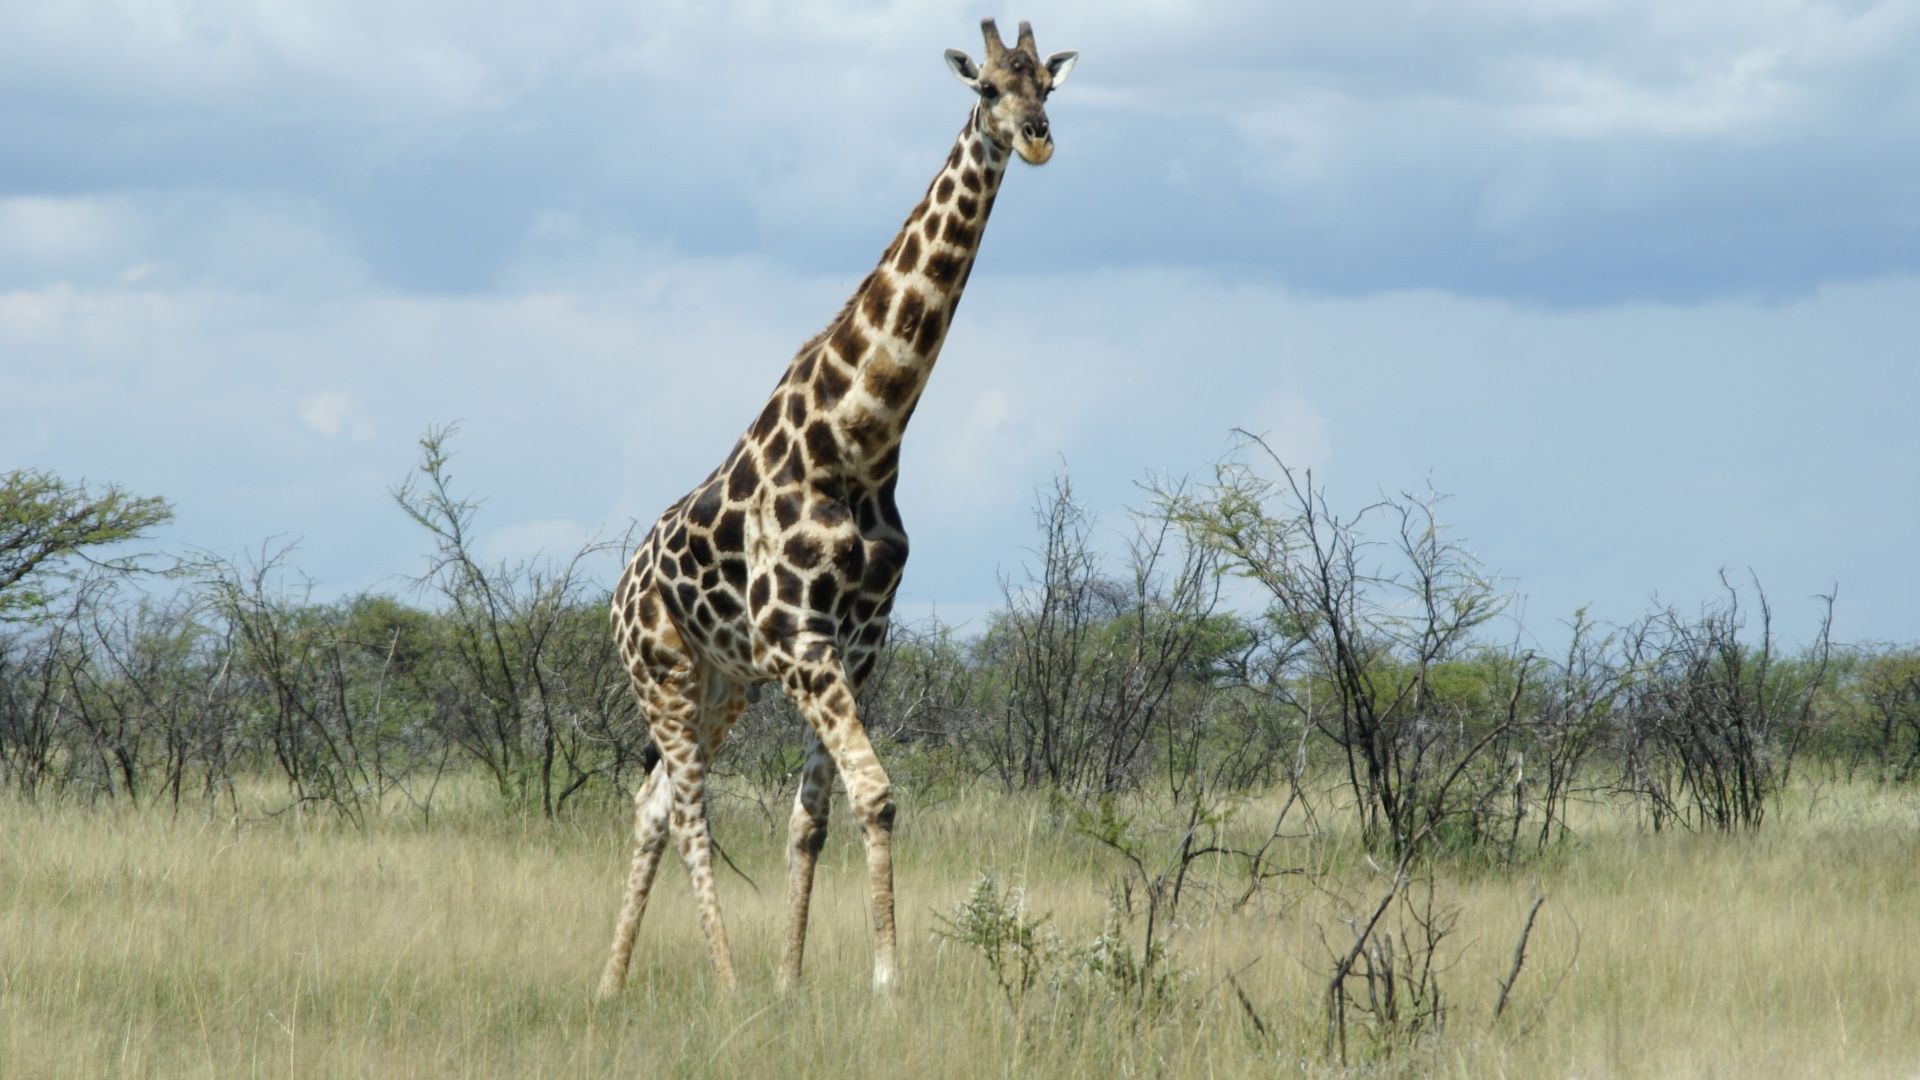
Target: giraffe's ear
{"x": 1059, "y": 64}
{"x": 963, "y": 68}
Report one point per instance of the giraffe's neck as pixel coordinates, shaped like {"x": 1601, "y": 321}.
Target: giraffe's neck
{"x": 863, "y": 375}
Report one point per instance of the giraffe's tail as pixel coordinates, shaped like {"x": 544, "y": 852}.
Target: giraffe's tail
{"x": 649, "y": 757}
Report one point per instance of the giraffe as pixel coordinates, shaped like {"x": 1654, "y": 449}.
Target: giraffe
{"x": 781, "y": 566}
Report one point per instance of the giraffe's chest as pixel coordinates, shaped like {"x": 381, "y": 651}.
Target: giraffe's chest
{"x": 828, "y": 565}
{"x": 785, "y": 576}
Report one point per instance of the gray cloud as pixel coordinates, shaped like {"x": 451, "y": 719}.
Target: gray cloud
{"x": 1563, "y": 153}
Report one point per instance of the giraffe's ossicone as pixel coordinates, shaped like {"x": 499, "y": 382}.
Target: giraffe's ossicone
{"x": 781, "y": 566}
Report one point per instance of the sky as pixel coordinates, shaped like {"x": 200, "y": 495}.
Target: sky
{"x": 1637, "y": 283}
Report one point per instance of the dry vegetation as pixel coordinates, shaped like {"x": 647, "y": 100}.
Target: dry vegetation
{"x": 1350, "y": 823}
{"x": 148, "y": 943}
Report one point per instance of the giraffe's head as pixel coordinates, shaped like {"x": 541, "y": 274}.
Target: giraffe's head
{"x": 1013, "y": 84}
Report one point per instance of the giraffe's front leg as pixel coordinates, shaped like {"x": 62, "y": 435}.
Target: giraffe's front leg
{"x": 826, "y": 700}
{"x": 807, "y": 831}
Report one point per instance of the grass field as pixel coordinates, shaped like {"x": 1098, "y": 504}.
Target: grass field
{"x": 149, "y": 944}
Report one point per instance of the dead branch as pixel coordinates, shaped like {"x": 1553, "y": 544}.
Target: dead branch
{"x": 1519, "y": 956}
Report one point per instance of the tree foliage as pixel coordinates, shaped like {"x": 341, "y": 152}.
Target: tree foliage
{"x": 1231, "y": 634}
{"x": 47, "y": 524}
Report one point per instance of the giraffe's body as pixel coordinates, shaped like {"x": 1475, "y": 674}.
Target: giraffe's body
{"x": 781, "y": 566}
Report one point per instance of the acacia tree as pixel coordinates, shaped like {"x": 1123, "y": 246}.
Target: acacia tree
{"x": 1716, "y": 714}
{"x": 1570, "y": 721}
{"x": 1092, "y": 663}
{"x": 1355, "y": 641}
{"x": 1878, "y": 710}
{"x": 534, "y": 675}
{"x": 46, "y": 524}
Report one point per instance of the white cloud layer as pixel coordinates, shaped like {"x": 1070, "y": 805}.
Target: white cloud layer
{"x": 1599, "y": 456}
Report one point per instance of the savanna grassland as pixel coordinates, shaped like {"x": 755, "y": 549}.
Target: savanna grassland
{"x": 142, "y": 942}
{"x": 1284, "y": 790}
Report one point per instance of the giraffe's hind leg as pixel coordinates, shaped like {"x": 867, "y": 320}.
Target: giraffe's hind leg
{"x": 650, "y": 812}
{"x": 807, "y": 831}
{"x": 687, "y": 751}
{"x": 688, "y": 712}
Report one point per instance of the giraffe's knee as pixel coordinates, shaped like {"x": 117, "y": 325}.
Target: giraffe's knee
{"x": 807, "y": 825}
{"x": 650, "y": 815}
{"x": 649, "y": 790}
{"x": 874, "y": 807}
{"x": 809, "y": 837}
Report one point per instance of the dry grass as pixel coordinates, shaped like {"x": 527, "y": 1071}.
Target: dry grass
{"x": 145, "y": 944}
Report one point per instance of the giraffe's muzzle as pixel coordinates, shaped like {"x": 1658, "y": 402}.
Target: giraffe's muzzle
{"x": 1034, "y": 140}
{"x": 1035, "y": 143}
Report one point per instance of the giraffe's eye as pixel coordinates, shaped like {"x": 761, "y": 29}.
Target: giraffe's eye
{"x": 989, "y": 91}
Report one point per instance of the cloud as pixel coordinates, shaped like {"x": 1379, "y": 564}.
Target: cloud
{"x": 1595, "y": 456}
{"x": 1291, "y": 426}
{"x": 49, "y": 236}
{"x": 325, "y": 412}
{"x": 174, "y": 237}
{"x": 1631, "y": 278}
{"x": 535, "y": 540}
{"x": 1561, "y": 153}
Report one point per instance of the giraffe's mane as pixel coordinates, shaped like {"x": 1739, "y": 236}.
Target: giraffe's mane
{"x": 833, "y": 324}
